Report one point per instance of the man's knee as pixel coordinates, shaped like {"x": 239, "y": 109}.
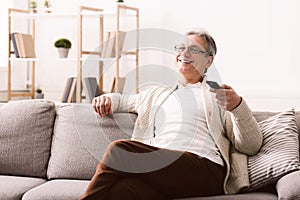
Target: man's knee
{"x": 118, "y": 144}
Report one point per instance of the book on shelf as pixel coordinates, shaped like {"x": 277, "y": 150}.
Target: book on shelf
{"x": 121, "y": 39}
{"x": 121, "y": 83}
{"x": 90, "y": 88}
{"x": 14, "y": 43}
{"x": 72, "y": 93}
{"x": 67, "y": 90}
{"x": 23, "y": 45}
{"x": 110, "y": 43}
{"x": 104, "y": 44}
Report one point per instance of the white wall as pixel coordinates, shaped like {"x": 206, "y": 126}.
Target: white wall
{"x": 3, "y": 33}
{"x": 257, "y": 43}
{"x": 3, "y": 41}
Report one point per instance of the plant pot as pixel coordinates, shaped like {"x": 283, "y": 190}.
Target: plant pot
{"x": 63, "y": 52}
{"x": 47, "y": 10}
{"x": 39, "y": 95}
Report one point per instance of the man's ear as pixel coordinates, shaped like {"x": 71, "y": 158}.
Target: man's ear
{"x": 177, "y": 58}
{"x": 209, "y": 61}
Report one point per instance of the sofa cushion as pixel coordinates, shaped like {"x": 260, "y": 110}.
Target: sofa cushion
{"x": 81, "y": 137}
{"x": 26, "y": 132}
{"x": 13, "y": 187}
{"x": 247, "y": 196}
{"x": 57, "y": 189}
{"x": 262, "y": 115}
{"x": 288, "y": 187}
{"x": 297, "y": 114}
{"x": 279, "y": 153}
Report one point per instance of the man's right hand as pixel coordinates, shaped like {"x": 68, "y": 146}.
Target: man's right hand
{"x": 102, "y": 105}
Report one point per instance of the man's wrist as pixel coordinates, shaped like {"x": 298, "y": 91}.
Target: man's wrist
{"x": 241, "y": 111}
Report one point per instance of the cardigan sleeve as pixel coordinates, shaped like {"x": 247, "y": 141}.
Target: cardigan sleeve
{"x": 123, "y": 102}
{"x": 242, "y": 129}
{"x": 128, "y": 102}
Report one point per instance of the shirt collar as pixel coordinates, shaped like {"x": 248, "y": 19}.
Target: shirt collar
{"x": 182, "y": 84}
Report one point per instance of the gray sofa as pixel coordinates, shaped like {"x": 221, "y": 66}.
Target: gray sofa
{"x": 50, "y": 151}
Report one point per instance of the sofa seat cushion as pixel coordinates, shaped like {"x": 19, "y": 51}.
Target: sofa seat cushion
{"x": 26, "y": 129}
{"x": 80, "y": 139}
{"x": 288, "y": 187}
{"x": 246, "y": 196}
{"x": 13, "y": 187}
{"x": 57, "y": 189}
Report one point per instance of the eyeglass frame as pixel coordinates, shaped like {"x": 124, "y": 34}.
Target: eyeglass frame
{"x": 194, "y": 51}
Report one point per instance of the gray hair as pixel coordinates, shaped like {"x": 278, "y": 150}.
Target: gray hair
{"x": 211, "y": 45}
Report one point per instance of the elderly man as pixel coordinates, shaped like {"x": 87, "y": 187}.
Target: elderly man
{"x": 188, "y": 141}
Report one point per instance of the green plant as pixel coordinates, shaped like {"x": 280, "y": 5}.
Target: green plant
{"x": 39, "y": 90}
{"x": 32, "y": 4}
{"x": 120, "y": 1}
{"x": 63, "y": 43}
{"x": 47, "y": 4}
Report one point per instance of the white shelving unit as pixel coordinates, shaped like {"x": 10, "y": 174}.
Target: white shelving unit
{"x": 87, "y": 11}
{"x": 11, "y": 13}
{"x": 83, "y": 12}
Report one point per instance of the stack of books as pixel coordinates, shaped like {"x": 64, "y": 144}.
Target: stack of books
{"x": 89, "y": 86}
{"x": 109, "y": 43}
{"x": 23, "y": 45}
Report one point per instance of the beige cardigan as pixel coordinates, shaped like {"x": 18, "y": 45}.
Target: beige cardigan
{"x": 236, "y": 133}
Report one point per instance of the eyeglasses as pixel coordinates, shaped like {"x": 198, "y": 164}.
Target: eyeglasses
{"x": 192, "y": 49}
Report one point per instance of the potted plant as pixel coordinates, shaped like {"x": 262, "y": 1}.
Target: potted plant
{"x": 39, "y": 93}
{"x": 47, "y": 6}
{"x": 63, "y": 45}
{"x": 32, "y": 5}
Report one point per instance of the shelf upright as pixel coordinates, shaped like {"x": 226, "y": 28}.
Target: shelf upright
{"x": 11, "y": 94}
{"x": 136, "y": 52}
{"x": 81, "y": 52}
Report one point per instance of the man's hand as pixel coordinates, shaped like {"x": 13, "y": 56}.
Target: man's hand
{"x": 102, "y": 105}
{"x": 227, "y": 97}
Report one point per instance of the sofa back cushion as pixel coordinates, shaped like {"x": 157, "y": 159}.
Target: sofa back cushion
{"x": 81, "y": 137}
{"x": 26, "y": 129}
{"x": 279, "y": 154}
{"x": 261, "y": 115}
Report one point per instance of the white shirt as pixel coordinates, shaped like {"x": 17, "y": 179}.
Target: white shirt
{"x": 180, "y": 124}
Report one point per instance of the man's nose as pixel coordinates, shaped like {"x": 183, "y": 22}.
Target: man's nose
{"x": 186, "y": 52}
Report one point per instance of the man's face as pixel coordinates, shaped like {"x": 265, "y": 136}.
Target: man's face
{"x": 192, "y": 58}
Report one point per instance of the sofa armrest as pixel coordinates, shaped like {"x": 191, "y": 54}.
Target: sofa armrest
{"x": 288, "y": 187}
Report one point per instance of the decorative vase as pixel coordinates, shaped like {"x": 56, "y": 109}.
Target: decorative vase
{"x": 39, "y": 95}
{"x": 63, "y": 52}
{"x": 47, "y": 10}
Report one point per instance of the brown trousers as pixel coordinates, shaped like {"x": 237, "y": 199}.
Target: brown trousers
{"x": 133, "y": 170}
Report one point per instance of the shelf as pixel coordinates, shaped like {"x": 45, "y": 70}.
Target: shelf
{"x": 85, "y": 58}
{"x": 43, "y": 15}
{"x": 23, "y": 59}
{"x": 72, "y": 15}
{"x": 81, "y": 56}
{"x": 96, "y": 59}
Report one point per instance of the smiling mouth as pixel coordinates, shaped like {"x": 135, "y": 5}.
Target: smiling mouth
{"x": 185, "y": 61}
